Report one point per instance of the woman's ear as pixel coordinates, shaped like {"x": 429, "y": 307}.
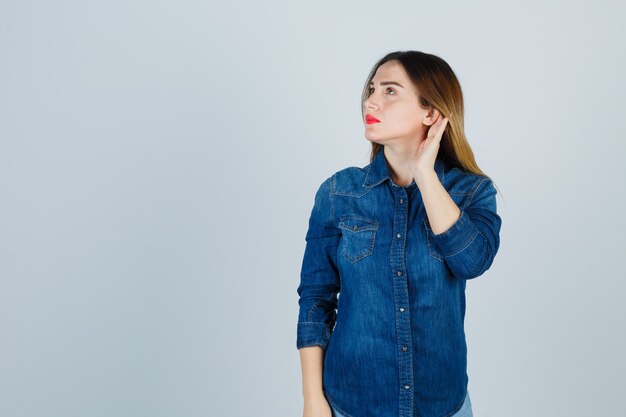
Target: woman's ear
{"x": 431, "y": 117}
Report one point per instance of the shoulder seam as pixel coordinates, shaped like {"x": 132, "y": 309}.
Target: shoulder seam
{"x": 476, "y": 189}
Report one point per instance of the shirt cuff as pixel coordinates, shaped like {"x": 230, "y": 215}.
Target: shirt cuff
{"x": 312, "y": 334}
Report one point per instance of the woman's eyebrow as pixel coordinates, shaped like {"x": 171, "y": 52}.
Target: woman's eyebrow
{"x": 387, "y": 83}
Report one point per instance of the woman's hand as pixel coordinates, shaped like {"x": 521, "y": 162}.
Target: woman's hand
{"x": 317, "y": 407}
{"x": 424, "y": 159}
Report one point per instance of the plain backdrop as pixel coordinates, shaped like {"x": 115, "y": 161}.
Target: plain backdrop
{"x": 158, "y": 164}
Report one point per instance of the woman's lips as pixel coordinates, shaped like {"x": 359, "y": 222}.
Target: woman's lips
{"x": 371, "y": 119}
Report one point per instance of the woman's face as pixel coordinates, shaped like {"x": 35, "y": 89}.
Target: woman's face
{"x": 401, "y": 119}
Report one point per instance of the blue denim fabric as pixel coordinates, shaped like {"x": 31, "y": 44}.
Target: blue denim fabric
{"x": 385, "y": 297}
{"x": 465, "y": 411}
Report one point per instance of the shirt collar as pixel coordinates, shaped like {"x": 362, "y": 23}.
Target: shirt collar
{"x": 378, "y": 170}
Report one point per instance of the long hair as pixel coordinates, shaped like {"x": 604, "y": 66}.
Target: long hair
{"x": 440, "y": 89}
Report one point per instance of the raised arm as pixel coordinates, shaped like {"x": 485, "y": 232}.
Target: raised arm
{"x": 470, "y": 245}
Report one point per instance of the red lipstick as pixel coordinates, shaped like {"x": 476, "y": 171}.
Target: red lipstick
{"x": 369, "y": 119}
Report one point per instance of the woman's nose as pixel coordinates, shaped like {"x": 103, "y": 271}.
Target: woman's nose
{"x": 369, "y": 104}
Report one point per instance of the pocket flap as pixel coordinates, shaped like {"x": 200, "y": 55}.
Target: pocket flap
{"x": 355, "y": 224}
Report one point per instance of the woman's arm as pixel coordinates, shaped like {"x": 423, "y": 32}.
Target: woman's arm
{"x": 319, "y": 275}
{"x": 315, "y": 403}
{"x": 469, "y": 238}
{"x": 312, "y": 362}
{"x": 318, "y": 288}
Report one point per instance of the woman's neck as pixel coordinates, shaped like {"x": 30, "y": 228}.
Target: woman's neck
{"x": 398, "y": 164}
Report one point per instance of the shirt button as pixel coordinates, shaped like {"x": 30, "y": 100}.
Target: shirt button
{"x": 399, "y": 273}
{"x": 406, "y": 387}
{"x": 355, "y": 227}
{"x": 399, "y": 235}
{"x": 401, "y": 200}
{"x": 404, "y": 348}
{"x": 401, "y": 308}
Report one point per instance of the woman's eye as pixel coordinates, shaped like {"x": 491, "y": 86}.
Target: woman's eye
{"x": 388, "y": 89}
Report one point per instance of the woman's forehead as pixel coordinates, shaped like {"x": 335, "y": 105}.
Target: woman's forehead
{"x": 391, "y": 71}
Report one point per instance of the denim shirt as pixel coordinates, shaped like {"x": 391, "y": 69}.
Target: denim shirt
{"x": 385, "y": 297}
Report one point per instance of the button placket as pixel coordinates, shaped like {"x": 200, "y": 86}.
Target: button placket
{"x": 401, "y": 298}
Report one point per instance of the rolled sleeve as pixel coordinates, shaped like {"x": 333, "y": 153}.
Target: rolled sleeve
{"x": 470, "y": 245}
{"x": 319, "y": 277}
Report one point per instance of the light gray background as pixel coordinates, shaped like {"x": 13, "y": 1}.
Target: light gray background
{"x": 158, "y": 163}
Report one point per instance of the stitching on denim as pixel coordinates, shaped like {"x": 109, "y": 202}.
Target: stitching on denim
{"x": 358, "y": 193}
{"x": 457, "y": 408}
{"x": 319, "y": 343}
{"x": 432, "y": 249}
{"x": 370, "y": 221}
{"x": 474, "y": 191}
{"x": 368, "y": 251}
{"x": 369, "y": 229}
{"x": 465, "y": 247}
{"x": 367, "y": 174}
{"x": 347, "y": 194}
{"x": 312, "y": 309}
{"x": 458, "y": 222}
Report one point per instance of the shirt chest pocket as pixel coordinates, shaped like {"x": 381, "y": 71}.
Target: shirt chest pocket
{"x": 433, "y": 249}
{"x": 358, "y": 237}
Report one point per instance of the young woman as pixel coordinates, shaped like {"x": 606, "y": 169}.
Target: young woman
{"x": 399, "y": 238}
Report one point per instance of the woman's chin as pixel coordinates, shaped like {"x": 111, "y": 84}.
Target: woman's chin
{"x": 374, "y": 138}
{"x": 369, "y": 135}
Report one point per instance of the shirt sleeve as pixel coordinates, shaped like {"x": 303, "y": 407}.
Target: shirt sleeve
{"x": 319, "y": 277}
{"x": 470, "y": 245}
